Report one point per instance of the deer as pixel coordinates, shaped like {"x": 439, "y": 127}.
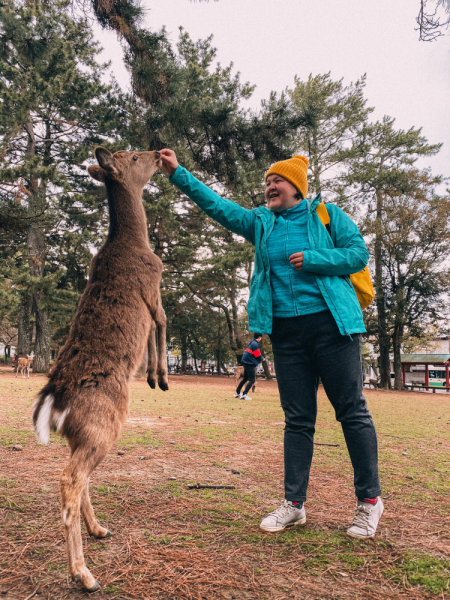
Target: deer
{"x": 86, "y": 398}
{"x": 24, "y": 364}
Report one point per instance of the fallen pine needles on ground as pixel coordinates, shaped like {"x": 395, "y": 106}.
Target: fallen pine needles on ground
{"x": 174, "y": 537}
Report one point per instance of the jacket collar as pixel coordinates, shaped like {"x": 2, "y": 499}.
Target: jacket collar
{"x": 312, "y": 204}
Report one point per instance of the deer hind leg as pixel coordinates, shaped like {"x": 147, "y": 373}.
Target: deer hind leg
{"x": 152, "y": 356}
{"x": 92, "y": 525}
{"x": 160, "y": 319}
{"x": 73, "y": 481}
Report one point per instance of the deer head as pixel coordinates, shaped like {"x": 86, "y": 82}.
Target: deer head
{"x": 132, "y": 169}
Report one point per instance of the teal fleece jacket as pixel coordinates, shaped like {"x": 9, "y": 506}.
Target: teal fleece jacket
{"x": 330, "y": 259}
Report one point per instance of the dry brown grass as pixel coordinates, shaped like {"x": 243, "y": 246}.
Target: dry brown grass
{"x": 172, "y": 542}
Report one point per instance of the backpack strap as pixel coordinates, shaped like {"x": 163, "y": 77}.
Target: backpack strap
{"x": 323, "y": 215}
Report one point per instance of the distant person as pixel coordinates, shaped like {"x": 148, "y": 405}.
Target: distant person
{"x": 250, "y": 360}
{"x": 301, "y": 295}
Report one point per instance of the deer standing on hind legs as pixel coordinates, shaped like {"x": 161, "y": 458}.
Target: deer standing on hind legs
{"x": 87, "y": 396}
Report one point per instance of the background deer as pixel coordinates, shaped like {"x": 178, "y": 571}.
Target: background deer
{"x": 239, "y": 374}
{"x": 87, "y": 396}
{"x": 24, "y": 364}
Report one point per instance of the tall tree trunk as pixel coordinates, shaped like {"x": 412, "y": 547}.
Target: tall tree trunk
{"x": 383, "y": 335}
{"x": 41, "y": 362}
{"x": 37, "y": 252}
{"x": 315, "y": 164}
{"x": 397, "y": 340}
{"x": 219, "y": 348}
{"x": 264, "y": 365}
{"x": 238, "y": 346}
{"x": 23, "y": 343}
{"x": 194, "y": 356}
{"x": 183, "y": 355}
{"x": 397, "y": 337}
{"x": 36, "y": 260}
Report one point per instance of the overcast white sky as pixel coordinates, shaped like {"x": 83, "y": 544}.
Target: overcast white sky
{"x": 270, "y": 42}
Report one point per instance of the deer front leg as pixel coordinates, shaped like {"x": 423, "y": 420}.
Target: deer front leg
{"x": 151, "y": 346}
{"x": 163, "y": 380}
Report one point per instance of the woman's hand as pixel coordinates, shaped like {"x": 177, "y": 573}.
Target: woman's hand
{"x": 297, "y": 260}
{"x": 169, "y": 161}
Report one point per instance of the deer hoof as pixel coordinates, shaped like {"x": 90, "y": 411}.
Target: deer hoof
{"x": 108, "y": 534}
{"x": 87, "y": 581}
{"x": 95, "y": 587}
{"x": 164, "y": 386}
{"x": 151, "y": 383}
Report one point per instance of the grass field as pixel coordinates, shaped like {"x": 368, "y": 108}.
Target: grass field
{"x": 173, "y": 542}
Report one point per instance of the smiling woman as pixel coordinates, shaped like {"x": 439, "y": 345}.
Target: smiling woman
{"x": 301, "y": 296}
{"x": 280, "y": 194}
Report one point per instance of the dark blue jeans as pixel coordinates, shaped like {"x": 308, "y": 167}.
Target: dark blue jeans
{"x": 306, "y": 348}
{"x": 249, "y": 378}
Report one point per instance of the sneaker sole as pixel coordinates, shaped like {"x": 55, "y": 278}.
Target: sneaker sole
{"x": 273, "y": 529}
{"x": 361, "y": 537}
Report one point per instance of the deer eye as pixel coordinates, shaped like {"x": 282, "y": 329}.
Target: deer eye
{"x": 135, "y": 157}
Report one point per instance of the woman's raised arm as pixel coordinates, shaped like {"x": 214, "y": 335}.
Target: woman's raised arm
{"x": 229, "y": 214}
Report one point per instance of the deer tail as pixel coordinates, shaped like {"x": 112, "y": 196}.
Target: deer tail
{"x": 42, "y": 415}
{"x": 46, "y": 417}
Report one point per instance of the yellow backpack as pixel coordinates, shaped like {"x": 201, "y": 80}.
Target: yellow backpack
{"x": 361, "y": 281}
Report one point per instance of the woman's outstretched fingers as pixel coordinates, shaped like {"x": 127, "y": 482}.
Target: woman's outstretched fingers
{"x": 169, "y": 160}
{"x": 297, "y": 260}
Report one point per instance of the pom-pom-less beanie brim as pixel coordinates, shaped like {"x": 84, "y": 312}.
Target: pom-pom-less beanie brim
{"x": 293, "y": 169}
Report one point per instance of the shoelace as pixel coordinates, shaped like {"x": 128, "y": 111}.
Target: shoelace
{"x": 283, "y": 510}
{"x": 362, "y": 515}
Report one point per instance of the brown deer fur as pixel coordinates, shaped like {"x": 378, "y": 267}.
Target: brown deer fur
{"x": 239, "y": 374}
{"x": 24, "y": 364}
{"x": 87, "y": 396}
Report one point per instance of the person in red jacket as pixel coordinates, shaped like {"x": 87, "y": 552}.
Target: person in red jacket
{"x": 250, "y": 360}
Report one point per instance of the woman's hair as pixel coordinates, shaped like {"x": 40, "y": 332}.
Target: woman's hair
{"x": 298, "y": 196}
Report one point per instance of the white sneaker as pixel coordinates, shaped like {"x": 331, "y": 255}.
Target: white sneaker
{"x": 366, "y": 519}
{"x": 284, "y": 516}
{"x": 245, "y": 397}
{"x": 237, "y": 395}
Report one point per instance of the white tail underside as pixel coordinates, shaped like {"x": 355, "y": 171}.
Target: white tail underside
{"x": 48, "y": 417}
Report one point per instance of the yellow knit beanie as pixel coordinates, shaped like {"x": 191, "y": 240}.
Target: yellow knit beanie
{"x": 294, "y": 170}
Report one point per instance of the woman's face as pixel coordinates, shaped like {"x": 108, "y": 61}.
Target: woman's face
{"x": 280, "y": 193}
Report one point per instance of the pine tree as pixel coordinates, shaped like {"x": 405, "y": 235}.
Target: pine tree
{"x": 332, "y": 117}
{"x": 415, "y": 230}
{"x": 56, "y": 106}
{"x": 385, "y": 156}
{"x": 229, "y": 149}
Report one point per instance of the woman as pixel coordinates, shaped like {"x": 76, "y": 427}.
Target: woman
{"x": 301, "y": 295}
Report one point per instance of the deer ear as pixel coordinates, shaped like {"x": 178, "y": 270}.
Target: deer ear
{"x": 105, "y": 159}
{"x": 96, "y": 173}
